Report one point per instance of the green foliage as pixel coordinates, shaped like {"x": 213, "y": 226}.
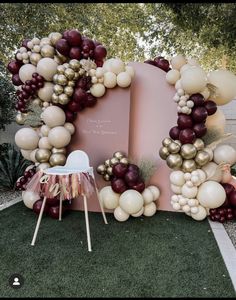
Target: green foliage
{"x": 147, "y": 169}
{"x": 12, "y": 166}
{"x": 33, "y": 117}
{"x": 233, "y": 170}
{"x": 211, "y": 136}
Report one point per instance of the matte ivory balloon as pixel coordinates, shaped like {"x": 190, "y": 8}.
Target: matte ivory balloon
{"x": 200, "y": 215}
{"x": 54, "y": 116}
{"x": 47, "y": 67}
{"x": 109, "y": 80}
{"x": 26, "y": 138}
{"x": 59, "y": 137}
{"x": 29, "y": 198}
{"x": 44, "y": 143}
{"x": 120, "y": 214}
{"x": 224, "y": 154}
{"x": 123, "y": 79}
{"x": 98, "y": 90}
{"x": 45, "y": 93}
{"x": 131, "y": 201}
{"x": 172, "y": 76}
{"x": 26, "y": 153}
{"x": 139, "y": 213}
{"x": 178, "y": 61}
{"x": 211, "y": 194}
{"x": 216, "y": 121}
{"x": 193, "y": 80}
{"x": 26, "y": 71}
{"x": 147, "y": 196}
{"x": 109, "y": 198}
{"x": 212, "y": 171}
{"x": 177, "y": 178}
{"x": 150, "y": 209}
{"x": 155, "y": 191}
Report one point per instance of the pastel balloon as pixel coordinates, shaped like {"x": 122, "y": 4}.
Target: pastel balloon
{"x": 147, "y": 196}
{"x": 29, "y": 198}
{"x": 44, "y": 130}
{"x": 70, "y": 127}
{"x": 139, "y": 213}
{"x": 26, "y": 71}
{"x": 178, "y": 61}
{"x": 98, "y": 90}
{"x": 26, "y": 153}
{"x": 109, "y": 80}
{"x": 123, "y": 79}
{"x": 43, "y": 166}
{"x": 47, "y": 67}
{"x": 155, "y": 191}
{"x": 189, "y": 192}
{"x": 212, "y": 171}
{"x": 172, "y": 76}
{"x": 120, "y": 215}
{"x": 130, "y": 70}
{"x": 149, "y": 209}
{"x": 193, "y": 80}
{"x": 177, "y": 178}
{"x": 110, "y": 199}
{"x": 53, "y": 116}
{"x": 131, "y": 201}
{"x": 176, "y": 189}
{"x": 26, "y": 138}
{"x": 216, "y": 121}
{"x": 59, "y": 137}
{"x": 200, "y": 215}
{"x": 32, "y": 155}
{"x": 45, "y": 93}
{"x": 224, "y": 154}
{"x": 211, "y": 194}
{"x": 44, "y": 143}
{"x": 116, "y": 65}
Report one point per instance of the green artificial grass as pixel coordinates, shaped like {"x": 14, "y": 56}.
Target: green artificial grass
{"x": 167, "y": 255}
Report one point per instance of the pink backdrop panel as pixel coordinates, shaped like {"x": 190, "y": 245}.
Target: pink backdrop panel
{"x": 100, "y": 131}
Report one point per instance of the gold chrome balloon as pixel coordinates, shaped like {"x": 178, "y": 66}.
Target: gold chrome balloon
{"x": 63, "y": 99}
{"x": 58, "y": 89}
{"x": 74, "y": 64}
{"x": 107, "y": 163}
{"x": 42, "y": 155}
{"x": 57, "y": 159}
{"x": 54, "y": 37}
{"x": 166, "y": 142}
{"x": 62, "y": 80}
{"x": 101, "y": 169}
{"x": 55, "y": 98}
{"x": 77, "y": 76}
{"x": 55, "y": 78}
{"x": 35, "y": 58}
{"x": 124, "y": 160}
{"x": 199, "y": 144}
{"x": 173, "y": 147}
{"x": 47, "y": 51}
{"x": 189, "y": 165}
{"x": 114, "y": 161}
{"x": 106, "y": 177}
{"x": 59, "y": 150}
{"x": 71, "y": 83}
{"x": 188, "y": 151}
{"x": 68, "y": 90}
{"x": 118, "y": 154}
{"x": 178, "y": 142}
{"x": 69, "y": 73}
{"x": 60, "y": 70}
{"x": 202, "y": 158}
{"x": 109, "y": 170}
{"x": 163, "y": 152}
{"x": 174, "y": 161}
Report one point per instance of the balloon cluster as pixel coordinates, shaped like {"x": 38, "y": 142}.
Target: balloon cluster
{"x": 23, "y": 180}
{"x": 198, "y": 170}
{"x": 130, "y": 202}
{"x": 159, "y": 62}
{"x": 105, "y": 169}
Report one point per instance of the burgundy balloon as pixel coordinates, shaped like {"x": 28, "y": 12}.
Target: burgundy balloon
{"x": 199, "y": 129}
{"x": 63, "y": 47}
{"x": 75, "y": 53}
{"x": 23, "y": 180}
{"x": 53, "y": 201}
{"x": 197, "y": 99}
{"x": 24, "y": 44}
{"x": 174, "y": 133}
{"x": 119, "y": 170}
{"x": 187, "y": 136}
{"x": 131, "y": 177}
{"x": 133, "y": 167}
{"x": 139, "y": 186}
{"x": 118, "y": 185}
{"x": 184, "y": 121}
{"x": 54, "y": 211}
{"x": 65, "y": 34}
{"x": 213, "y": 211}
{"x": 211, "y": 107}
{"x": 16, "y": 80}
{"x": 91, "y": 100}
{"x": 84, "y": 83}
{"x": 73, "y": 37}
{"x": 222, "y": 219}
{"x": 80, "y": 96}
{"x": 150, "y": 62}
{"x": 99, "y": 63}
{"x": 73, "y": 106}
{"x": 226, "y": 204}
{"x": 158, "y": 58}
{"x": 88, "y": 42}
{"x": 163, "y": 64}
{"x": 199, "y": 114}
{"x": 37, "y": 207}
{"x": 14, "y": 67}
{"x": 69, "y": 116}
{"x": 100, "y": 52}
{"x": 232, "y": 198}
{"x": 217, "y": 216}
{"x": 229, "y": 188}
{"x": 229, "y": 216}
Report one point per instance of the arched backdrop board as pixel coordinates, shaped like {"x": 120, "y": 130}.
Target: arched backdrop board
{"x": 133, "y": 120}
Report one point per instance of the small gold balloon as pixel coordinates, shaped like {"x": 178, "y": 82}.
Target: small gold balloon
{"x": 55, "y": 78}
{"x": 63, "y": 99}
{"x": 43, "y": 166}
{"x": 74, "y": 64}
{"x": 58, "y": 89}
{"x": 66, "y": 65}
{"x": 58, "y": 60}
{"x": 55, "y": 98}
{"x": 163, "y": 152}
{"x": 188, "y": 151}
{"x": 101, "y": 169}
{"x": 59, "y": 150}
{"x": 62, "y": 57}
{"x": 166, "y": 142}
{"x": 106, "y": 177}
{"x": 42, "y": 155}
{"x": 202, "y": 158}
{"x": 77, "y": 76}
{"x": 71, "y": 83}
{"x": 20, "y": 119}
{"x": 189, "y": 165}
{"x": 109, "y": 170}
{"x": 199, "y": 144}
{"x": 174, "y": 161}
{"x": 118, "y": 154}
{"x": 60, "y": 70}
{"x": 68, "y": 90}
{"x": 57, "y": 159}
{"x": 62, "y": 80}
{"x": 107, "y": 163}
{"x": 124, "y": 160}
{"x": 114, "y": 161}
{"x": 54, "y": 37}
{"x": 178, "y": 142}
{"x": 35, "y": 58}
{"x": 173, "y": 148}
{"x": 45, "y": 41}
{"x": 69, "y": 73}
{"x": 47, "y": 51}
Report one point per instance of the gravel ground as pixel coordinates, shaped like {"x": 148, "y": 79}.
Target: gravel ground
{"x": 230, "y": 228}
{"x": 8, "y": 196}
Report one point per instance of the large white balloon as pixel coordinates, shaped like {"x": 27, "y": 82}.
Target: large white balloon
{"x": 131, "y": 201}
{"x": 178, "y": 61}
{"x": 216, "y": 121}
{"x": 150, "y": 209}
{"x": 123, "y": 79}
{"x": 45, "y": 93}
{"x": 225, "y": 81}
{"x": 193, "y": 80}
{"x": 115, "y": 65}
{"x": 44, "y": 143}
{"x": 177, "y": 178}
{"x": 26, "y": 138}
{"x": 29, "y": 198}
{"x": 200, "y": 215}
{"x": 120, "y": 214}
{"x": 155, "y": 191}
{"x": 53, "y": 116}
{"x": 26, "y": 71}
{"x": 109, "y": 80}
{"x": 176, "y": 189}
{"x": 211, "y": 194}
{"x": 139, "y": 213}
{"x": 212, "y": 171}
{"x": 47, "y": 67}
{"x": 224, "y": 154}
{"x": 110, "y": 199}
{"x": 147, "y": 196}
{"x": 59, "y": 137}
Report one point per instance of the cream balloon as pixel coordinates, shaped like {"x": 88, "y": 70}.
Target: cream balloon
{"x": 200, "y": 215}
{"x": 131, "y": 201}
{"x": 155, "y": 191}
{"x": 29, "y": 198}
{"x": 178, "y": 61}
{"x": 44, "y": 143}
{"x": 98, "y": 90}
{"x": 147, "y": 196}
{"x": 205, "y": 93}
{"x": 216, "y": 122}
{"x": 178, "y": 85}
{"x": 213, "y": 171}
{"x": 26, "y": 71}
{"x": 149, "y": 209}
{"x": 224, "y": 154}
{"x": 70, "y": 127}
{"x": 59, "y": 137}
{"x": 176, "y": 189}
{"x": 211, "y": 194}
{"x": 45, "y": 93}
{"x": 26, "y": 138}
{"x": 172, "y": 76}
{"x": 193, "y": 80}
{"x": 189, "y": 192}
{"x": 109, "y": 80}
{"x": 32, "y": 155}
{"x": 177, "y": 178}
{"x": 99, "y": 72}
{"x": 225, "y": 82}
{"x": 130, "y": 70}
{"x": 110, "y": 199}
{"x": 26, "y": 153}
{"x": 43, "y": 166}
{"x": 139, "y": 213}
{"x": 120, "y": 215}
{"x": 117, "y": 66}
{"x": 123, "y": 79}
{"x": 53, "y": 116}
{"x": 47, "y": 67}
{"x": 44, "y": 130}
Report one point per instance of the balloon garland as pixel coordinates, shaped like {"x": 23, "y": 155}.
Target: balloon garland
{"x": 200, "y": 180}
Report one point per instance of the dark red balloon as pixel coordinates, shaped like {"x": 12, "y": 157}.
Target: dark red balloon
{"x": 131, "y": 177}
{"x": 184, "y": 121}
{"x": 65, "y": 34}
{"x": 70, "y": 116}
{"x": 211, "y": 107}
{"x": 199, "y": 114}
{"x": 150, "y": 62}
{"x": 53, "y": 201}
{"x": 16, "y": 80}
{"x": 200, "y": 129}
{"x": 63, "y": 47}
{"x": 99, "y": 63}
{"x": 234, "y": 212}
{"x": 187, "y": 136}
{"x": 229, "y": 216}
{"x": 80, "y": 96}
{"x": 163, "y": 64}
{"x": 217, "y": 216}
{"x": 174, "y": 133}
{"x": 133, "y": 167}
{"x": 226, "y": 203}
{"x": 118, "y": 185}
{"x": 91, "y": 100}
{"x": 100, "y": 52}
{"x": 156, "y": 59}
{"x": 73, "y": 37}
{"x": 213, "y": 211}
{"x": 75, "y": 53}
{"x": 232, "y": 198}
{"x": 197, "y": 99}
{"x": 37, "y": 207}
{"x": 222, "y": 219}
{"x": 119, "y": 170}
{"x": 54, "y": 211}
{"x": 14, "y": 67}
{"x": 89, "y": 43}
{"x": 24, "y": 44}
{"x": 228, "y": 188}
{"x": 73, "y": 106}
{"x": 139, "y": 186}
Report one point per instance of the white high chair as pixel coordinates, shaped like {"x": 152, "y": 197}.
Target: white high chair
{"x": 77, "y": 162}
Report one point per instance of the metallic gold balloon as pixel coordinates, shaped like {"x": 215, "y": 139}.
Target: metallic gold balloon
{"x": 20, "y": 119}
{"x": 58, "y": 89}
{"x": 124, "y": 160}
{"x": 163, "y": 152}
{"x": 199, "y": 144}
{"x": 106, "y": 177}
{"x": 47, "y": 51}
{"x": 188, "y": 151}
{"x": 81, "y": 72}
{"x": 55, "y": 78}
{"x": 60, "y": 70}
{"x": 109, "y": 170}
{"x": 173, "y": 148}
{"x": 166, "y": 142}
{"x": 42, "y": 155}
{"x": 55, "y": 98}
{"x": 101, "y": 169}
{"x": 178, "y": 142}
{"x": 202, "y": 158}
{"x": 66, "y": 65}
{"x": 59, "y": 150}
{"x": 58, "y": 60}
{"x": 62, "y": 80}
{"x": 62, "y": 57}
{"x": 118, "y": 154}
{"x": 54, "y": 37}
{"x": 114, "y": 161}
{"x": 174, "y": 161}
{"x": 74, "y": 64}
{"x": 189, "y": 165}
{"x": 57, "y": 159}
{"x": 63, "y": 99}
{"x": 107, "y": 163}
{"x": 35, "y": 58}
{"x": 45, "y": 41}
{"x": 68, "y": 90}
{"x": 69, "y": 73}
{"x": 71, "y": 83}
